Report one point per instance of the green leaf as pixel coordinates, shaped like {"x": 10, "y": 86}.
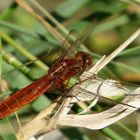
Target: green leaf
{"x": 40, "y": 103}
{"x": 110, "y": 7}
{"x": 6, "y": 130}
{"x": 69, "y": 7}
{"x": 130, "y": 52}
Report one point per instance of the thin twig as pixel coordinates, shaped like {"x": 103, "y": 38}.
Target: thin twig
{"x": 48, "y": 15}
{"x": 124, "y": 45}
{"x": 19, "y": 123}
{"x": 46, "y": 24}
{"x": 106, "y": 60}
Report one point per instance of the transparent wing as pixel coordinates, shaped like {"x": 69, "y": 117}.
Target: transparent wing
{"x": 76, "y": 40}
{"x": 69, "y": 49}
{"x": 107, "y": 91}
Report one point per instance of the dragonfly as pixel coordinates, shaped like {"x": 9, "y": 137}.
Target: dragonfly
{"x": 57, "y": 75}
{"x": 63, "y": 69}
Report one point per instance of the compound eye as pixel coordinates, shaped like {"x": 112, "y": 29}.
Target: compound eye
{"x": 85, "y": 59}
{"x": 88, "y": 64}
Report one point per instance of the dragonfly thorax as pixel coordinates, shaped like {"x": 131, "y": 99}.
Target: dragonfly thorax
{"x": 67, "y": 68}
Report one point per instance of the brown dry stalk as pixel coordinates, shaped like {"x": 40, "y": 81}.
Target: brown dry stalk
{"x": 46, "y": 24}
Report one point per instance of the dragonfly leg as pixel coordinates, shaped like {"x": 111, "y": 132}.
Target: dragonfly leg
{"x": 95, "y": 100}
{"x": 46, "y": 118}
{"x": 57, "y": 101}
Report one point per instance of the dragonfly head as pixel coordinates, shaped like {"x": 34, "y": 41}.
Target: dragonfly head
{"x": 85, "y": 58}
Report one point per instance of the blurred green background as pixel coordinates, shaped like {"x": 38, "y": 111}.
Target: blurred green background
{"x": 27, "y": 40}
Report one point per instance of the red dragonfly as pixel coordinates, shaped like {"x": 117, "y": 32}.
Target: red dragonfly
{"x": 63, "y": 69}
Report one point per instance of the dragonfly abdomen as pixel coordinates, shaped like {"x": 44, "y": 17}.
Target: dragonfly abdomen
{"x": 24, "y": 96}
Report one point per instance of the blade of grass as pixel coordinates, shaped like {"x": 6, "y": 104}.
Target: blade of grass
{"x": 68, "y": 11}
{"x": 125, "y": 66}
{"x": 22, "y": 30}
{"x": 118, "y": 64}
{"x": 74, "y": 134}
{"x": 129, "y": 131}
{"x": 130, "y": 52}
{"x": 40, "y": 103}
{"x": 0, "y": 60}
{"x": 6, "y": 130}
{"x": 111, "y": 134}
{"x": 48, "y": 15}
{"x": 111, "y": 24}
{"x": 53, "y": 31}
{"x": 107, "y": 130}
{"x": 12, "y": 60}
{"x": 28, "y": 32}
{"x": 8, "y": 11}
{"x": 115, "y": 53}
{"x": 23, "y": 51}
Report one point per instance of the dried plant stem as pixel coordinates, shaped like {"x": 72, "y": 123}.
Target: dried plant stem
{"x": 107, "y": 59}
{"x": 39, "y": 122}
{"x": 48, "y": 15}
{"x": 54, "y": 32}
{"x": 34, "y": 126}
{"x": 124, "y": 45}
{"x": 46, "y": 24}
{"x": 19, "y": 123}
